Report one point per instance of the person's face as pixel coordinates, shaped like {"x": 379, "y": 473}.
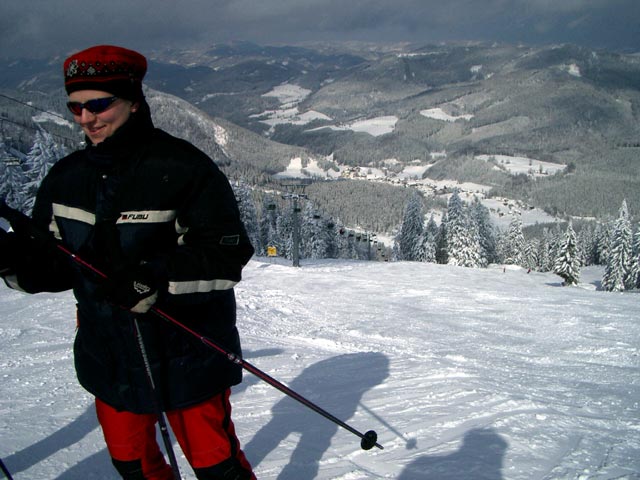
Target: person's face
{"x": 100, "y": 126}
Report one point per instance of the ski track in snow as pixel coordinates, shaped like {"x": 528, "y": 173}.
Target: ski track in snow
{"x": 463, "y": 373}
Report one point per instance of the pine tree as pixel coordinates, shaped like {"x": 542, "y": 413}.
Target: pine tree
{"x": 441, "y": 242}
{"x": 462, "y": 241}
{"x": 429, "y": 239}
{"x": 587, "y": 240}
{"x": 618, "y": 276}
{"x": 12, "y": 181}
{"x": 635, "y": 260}
{"x": 315, "y": 236}
{"x": 567, "y": 263}
{"x": 285, "y": 234}
{"x": 531, "y": 249}
{"x": 545, "y": 263}
{"x": 43, "y": 154}
{"x": 514, "y": 244}
{"x": 463, "y": 246}
{"x": 604, "y": 242}
{"x": 248, "y": 213}
{"x": 555, "y": 240}
{"x": 410, "y": 237}
{"x": 486, "y": 233}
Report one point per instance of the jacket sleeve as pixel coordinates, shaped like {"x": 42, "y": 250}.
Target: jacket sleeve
{"x": 212, "y": 246}
{"x": 40, "y": 266}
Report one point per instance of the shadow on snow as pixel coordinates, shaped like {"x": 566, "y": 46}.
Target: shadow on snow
{"x": 480, "y": 457}
{"x": 336, "y": 385}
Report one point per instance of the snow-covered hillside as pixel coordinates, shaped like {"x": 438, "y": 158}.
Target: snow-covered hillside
{"x": 464, "y": 373}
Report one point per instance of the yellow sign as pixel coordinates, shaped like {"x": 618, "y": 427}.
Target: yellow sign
{"x": 272, "y": 252}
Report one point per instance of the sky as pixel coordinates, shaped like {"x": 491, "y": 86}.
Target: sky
{"x": 42, "y": 28}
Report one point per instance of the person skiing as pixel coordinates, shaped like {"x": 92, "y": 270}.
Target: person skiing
{"x": 161, "y": 220}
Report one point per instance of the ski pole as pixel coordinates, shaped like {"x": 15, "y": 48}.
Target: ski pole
{"x": 5, "y": 470}
{"x": 164, "y": 430}
{"x": 368, "y": 440}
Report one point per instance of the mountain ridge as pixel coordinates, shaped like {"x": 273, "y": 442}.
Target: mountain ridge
{"x": 448, "y": 108}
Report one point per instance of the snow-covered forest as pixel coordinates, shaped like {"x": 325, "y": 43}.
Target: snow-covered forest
{"x": 465, "y": 234}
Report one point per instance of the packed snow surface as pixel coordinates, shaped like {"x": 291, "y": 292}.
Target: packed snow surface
{"x": 464, "y": 374}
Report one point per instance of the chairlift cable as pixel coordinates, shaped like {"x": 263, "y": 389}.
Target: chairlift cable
{"x": 31, "y": 106}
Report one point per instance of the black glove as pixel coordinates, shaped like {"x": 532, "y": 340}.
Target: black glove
{"x": 134, "y": 289}
{"x": 11, "y": 251}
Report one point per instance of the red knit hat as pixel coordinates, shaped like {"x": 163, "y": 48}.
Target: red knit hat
{"x": 108, "y": 68}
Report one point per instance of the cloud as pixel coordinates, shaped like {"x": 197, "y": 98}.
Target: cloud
{"x": 45, "y": 27}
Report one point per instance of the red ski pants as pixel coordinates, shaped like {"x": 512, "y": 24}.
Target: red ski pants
{"x": 205, "y": 433}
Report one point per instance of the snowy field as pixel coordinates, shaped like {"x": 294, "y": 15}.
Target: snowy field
{"x": 373, "y": 126}
{"x": 464, "y": 373}
{"x": 439, "y": 114}
{"x": 530, "y": 166}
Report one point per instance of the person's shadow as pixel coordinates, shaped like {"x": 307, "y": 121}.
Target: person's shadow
{"x": 336, "y": 385}
{"x": 480, "y": 457}
{"x": 59, "y": 440}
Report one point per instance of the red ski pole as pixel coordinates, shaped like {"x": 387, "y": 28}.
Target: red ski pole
{"x": 19, "y": 221}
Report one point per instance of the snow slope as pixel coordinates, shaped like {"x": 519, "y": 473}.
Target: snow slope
{"x": 464, "y": 373}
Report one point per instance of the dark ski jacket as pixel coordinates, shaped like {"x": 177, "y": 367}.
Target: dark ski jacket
{"x": 143, "y": 196}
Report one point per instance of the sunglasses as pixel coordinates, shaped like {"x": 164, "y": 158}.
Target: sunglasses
{"x": 97, "y": 105}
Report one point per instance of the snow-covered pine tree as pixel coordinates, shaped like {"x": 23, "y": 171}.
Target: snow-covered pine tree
{"x": 545, "y": 263}
{"x": 618, "y": 276}
{"x": 315, "y": 236}
{"x": 43, "y": 154}
{"x": 12, "y": 180}
{"x": 531, "y": 249}
{"x": 557, "y": 236}
{"x": 486, "y": 232}
{"x": 441, "y": 241}
{"x": 285, "y": 233}
{"x": 463, "y": 246}
{"x": 514, "y": 243}
{"x": 429, "y": 239}
{"x": 248, "y": 213}
{"x": 410, "y": 237}
{"x": 588, "y": 244}
{"x": 604, "y": 242}
{"x": 635, "y": 260}
{"x": 567, "y": 263}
